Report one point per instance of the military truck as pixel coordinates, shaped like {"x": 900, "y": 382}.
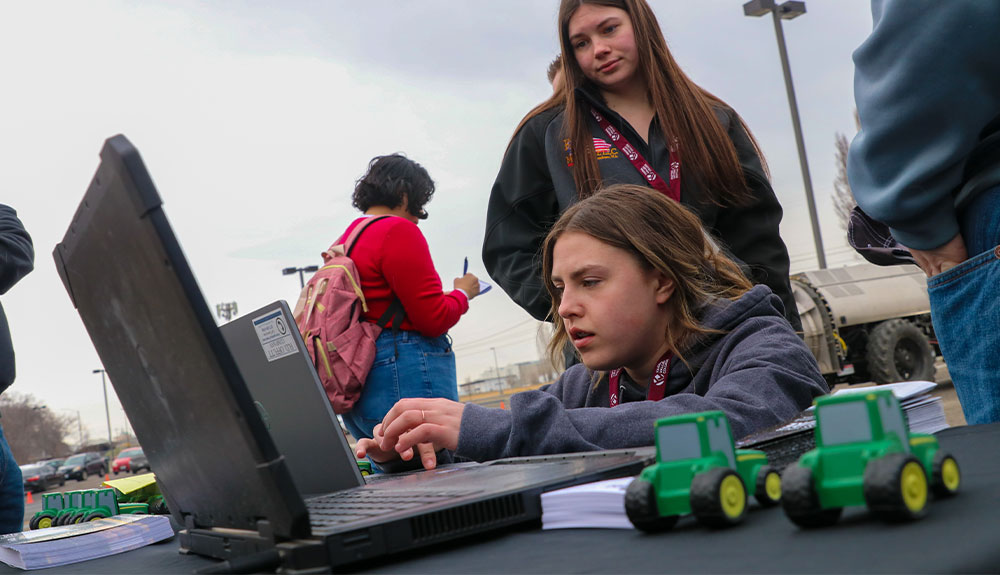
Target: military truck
{"x": 866, "y": 455}
{"x": 698, "y": 470}
{"x": 868, "y": 323}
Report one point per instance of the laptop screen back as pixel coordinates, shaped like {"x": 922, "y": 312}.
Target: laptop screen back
{"x": 287, "y": 392}
{"x": 176, "y": 379}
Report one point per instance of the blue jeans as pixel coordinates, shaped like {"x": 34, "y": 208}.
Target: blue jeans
{"x": 424, "y": 367}
{"x": 965, "y": 309}
{"x": 11, "y": 491}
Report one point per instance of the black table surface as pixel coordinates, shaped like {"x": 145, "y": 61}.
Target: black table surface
{"x": 958, "y": 535}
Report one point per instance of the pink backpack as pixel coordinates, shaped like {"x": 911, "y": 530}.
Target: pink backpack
{"x": 339, "y": 341}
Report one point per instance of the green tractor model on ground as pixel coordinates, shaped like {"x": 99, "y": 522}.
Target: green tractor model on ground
{"x": 85, "y": 505}
{"x": 865, "y": 455}
{"x": 699, "y": 471}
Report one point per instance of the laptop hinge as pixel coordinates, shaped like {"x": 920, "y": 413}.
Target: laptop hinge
{"x": 226, "y": 543}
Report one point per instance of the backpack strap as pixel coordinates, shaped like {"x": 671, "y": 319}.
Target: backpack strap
{"x": 356, "y": 233}
{"x": 394, "y": 314}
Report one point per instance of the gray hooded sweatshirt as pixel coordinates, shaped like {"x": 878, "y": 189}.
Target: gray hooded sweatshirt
{"x": 757, "y": 371}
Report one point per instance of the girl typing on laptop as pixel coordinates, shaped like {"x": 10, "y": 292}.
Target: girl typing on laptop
{"x": 664, "y": 323}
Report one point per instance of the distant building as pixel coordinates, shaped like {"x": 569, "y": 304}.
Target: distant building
{"x": 519, "y": 376}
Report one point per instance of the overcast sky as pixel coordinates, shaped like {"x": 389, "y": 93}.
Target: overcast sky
{"x": 256, "y": 118}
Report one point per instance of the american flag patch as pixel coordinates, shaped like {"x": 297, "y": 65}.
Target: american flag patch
{"x": 600, "y": 146}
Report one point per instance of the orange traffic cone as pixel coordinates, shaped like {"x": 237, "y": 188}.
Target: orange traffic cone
{"x": 107, "y": 477}
{"x": 28, "y": 498}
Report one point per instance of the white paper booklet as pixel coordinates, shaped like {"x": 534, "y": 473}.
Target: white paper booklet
{"x": 600, "y": 504}
{"x": 82, "y": 541}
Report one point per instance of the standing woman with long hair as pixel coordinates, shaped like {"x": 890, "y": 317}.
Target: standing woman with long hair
{"x": 629, "y": 114}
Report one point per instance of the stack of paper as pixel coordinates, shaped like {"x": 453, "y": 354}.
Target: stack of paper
{"x": 68, "y": 544}
{"x": 924, "y": 412}
{"x": 599, "y": 504}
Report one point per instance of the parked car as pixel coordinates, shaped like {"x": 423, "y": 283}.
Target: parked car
{"x": 41, "y": 477}
{"x": 57, "y": 463}
{"x": 82, "y": 464}
{"x": 131, "y": 459}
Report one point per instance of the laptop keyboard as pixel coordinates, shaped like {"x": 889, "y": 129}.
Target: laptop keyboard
{"x": 354, "y": 505}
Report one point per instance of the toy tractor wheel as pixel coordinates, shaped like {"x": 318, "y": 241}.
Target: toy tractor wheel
{"x": 41, "y": 521}
{"x": 899, "y": 351}
{"x": 640, "y": 507}
{"x": 62, "y": 519}
{"x": 718, "y": 497}
{"x": 895, "y": 488}
{"x": 95, "y": 514}
{"x": 801, "y": 502}
{"x": 768, "y": 488}
{"x": 945, "y": 475}
{"x": 158, "y": 507}
{"x": 76, "y": 518}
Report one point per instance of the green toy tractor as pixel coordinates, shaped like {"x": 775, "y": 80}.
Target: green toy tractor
{"x": 865, "y": 455}
{"x": 699, "y": 471}
{"x": 79, "y": 506}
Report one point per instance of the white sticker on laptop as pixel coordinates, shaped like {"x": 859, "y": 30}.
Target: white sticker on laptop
{"x": 275, "y": 334}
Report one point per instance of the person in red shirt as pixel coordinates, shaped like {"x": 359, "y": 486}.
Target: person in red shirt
{"x": 413, "y": 355}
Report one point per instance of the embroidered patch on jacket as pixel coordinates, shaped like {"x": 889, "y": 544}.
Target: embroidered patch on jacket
{"x": 604, "y": 150}
{"x": 569, "y": 152}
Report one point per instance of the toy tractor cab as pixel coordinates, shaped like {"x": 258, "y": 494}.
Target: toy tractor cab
{"x": 865, "y": 455}
{"x": 699, "y": 471}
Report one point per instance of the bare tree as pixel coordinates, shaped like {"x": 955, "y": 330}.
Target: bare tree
{"x": 843, "y": 197}
{"x": 32, "y": 430}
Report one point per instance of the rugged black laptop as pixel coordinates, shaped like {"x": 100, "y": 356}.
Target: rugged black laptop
{"x": 222, "y": 476}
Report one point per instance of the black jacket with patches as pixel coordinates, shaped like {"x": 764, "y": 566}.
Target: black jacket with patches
{"x": 755, "y": 369}
{"x": 535, "y": 186}
{"x": 17, "y": 257}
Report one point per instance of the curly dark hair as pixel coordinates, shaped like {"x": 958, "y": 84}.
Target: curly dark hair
{"x": 389, "y": 179}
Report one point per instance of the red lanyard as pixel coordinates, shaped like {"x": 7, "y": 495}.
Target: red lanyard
{"x": 657, "y": 387}
{"x": 673, "y": 190}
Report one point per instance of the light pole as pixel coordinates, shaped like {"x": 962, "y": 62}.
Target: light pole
{"x": 107, "y": 413}
{"x": 302, "y": 280}
{"x": 779, "y": 12}
{"x": 496, "y": 365}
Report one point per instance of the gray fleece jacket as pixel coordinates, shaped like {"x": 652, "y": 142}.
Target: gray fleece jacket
{"x": 757, "y": 371}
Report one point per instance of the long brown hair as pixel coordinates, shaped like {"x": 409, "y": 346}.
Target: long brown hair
{"x": 663, "y": 236}
{"x": 685, "y": 111}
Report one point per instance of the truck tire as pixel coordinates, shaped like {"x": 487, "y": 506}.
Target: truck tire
{"x": 895, "y": 488}
{"x": 718, "y": 497}
{"x": 899, "y": 351}
{"x": 640, "y": 507}
{"x": 801, "y": 502}
{"x": 767, "y": 492}
{"x": 945, "y": 475}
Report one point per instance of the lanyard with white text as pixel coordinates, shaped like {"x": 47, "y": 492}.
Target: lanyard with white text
{"x": 673, "y": 190}
{"x": 657, "y": 387}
